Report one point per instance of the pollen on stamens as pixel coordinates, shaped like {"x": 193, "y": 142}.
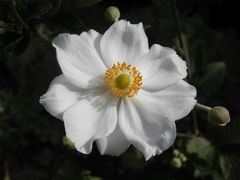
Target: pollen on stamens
{"x": 123, "y": 70}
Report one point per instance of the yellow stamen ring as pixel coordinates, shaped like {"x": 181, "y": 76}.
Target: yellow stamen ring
{"x": 123, "y": 80}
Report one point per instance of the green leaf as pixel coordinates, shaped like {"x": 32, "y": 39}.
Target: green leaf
{"x": 229, "y": 166}
{"x": 203, "y": 156}
{"x": 4, "y": 27}
{"x": 133, "y": 159}
{"x": 48, "y": 31}
{"x": 202, "y": 148}
{"x": 202, "y": 170}
{"x": 213, "y": 77}
{"x": 68, "y": 143}
{"x": 225, "y": 165}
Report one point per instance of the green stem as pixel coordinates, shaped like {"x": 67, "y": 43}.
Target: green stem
{"x": 182, "y": 39}
{"x": 195, "y": 122}
{"x": 178, "y": 24}
{"x": 6, "y": 172}
{"x": 184, "y": 47}
{"x": 203, "y": 107}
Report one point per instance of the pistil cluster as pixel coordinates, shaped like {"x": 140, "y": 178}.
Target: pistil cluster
{"x": 123, "y": 80}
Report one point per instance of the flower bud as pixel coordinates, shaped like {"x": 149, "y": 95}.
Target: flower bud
{"x": 218, "y": 116}
{"x": 112, "y": 14}
{"x": 176, "y": 163}
{"x": 176, "y": 153}
{"x": 68, "y": 143}
{"x": 183, "y": 157}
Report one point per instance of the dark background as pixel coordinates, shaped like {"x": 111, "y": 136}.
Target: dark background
{"x": 31, "y": 140}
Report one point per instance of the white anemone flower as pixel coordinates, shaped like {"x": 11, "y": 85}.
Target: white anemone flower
{"x": 116, "y": 91}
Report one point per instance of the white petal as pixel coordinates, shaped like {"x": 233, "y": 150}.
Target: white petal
{"x": 92, "y": 118}
{"x": 161, "y": 67}
{"x": 114, "y": 144}
{"x": 178, "y": 99}
{"x": 146, "y": 126}
{"x": 123, "y": 42}
{"x": 79, "y": 59}
{"x": 86, "y": 149}
{"x": 59, "y": 96}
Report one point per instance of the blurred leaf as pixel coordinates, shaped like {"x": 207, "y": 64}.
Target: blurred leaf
{"x": 213, "y": 77}
{"x": 197, "y": 56}
{"x": 68, "y": 143}
{"x": 6, "y": 173}
{"x": 217, "y": 176}
{"x": 6, "y": 27}
{"x": 133, "y": 159}
{"x": 2, "y": 27}
{"x": 230, "y": 167}
{"x": 40, "y": 10}
{"x": 231, "y": 132}
{"x": 202, "y": 148}
{"x": 1, "y": 107}
{"x": 225, "y": 165}
{"x": 48, "y": 31}
{"x": 86, "y": 175}
{"x": 202, "y": 170}
{"x": 68, "y": 5}
{"x": 19, "y": 45}
{"x": 205, "y": 155}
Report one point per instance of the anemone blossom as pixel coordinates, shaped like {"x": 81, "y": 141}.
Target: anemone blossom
{"x": 116, "y": 91}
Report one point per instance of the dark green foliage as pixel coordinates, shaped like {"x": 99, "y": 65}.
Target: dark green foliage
{"x": 31, "y": 140}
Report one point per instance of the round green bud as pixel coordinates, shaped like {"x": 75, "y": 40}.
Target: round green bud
{"x": 176, "y": 163}
{"x": 68, "y": 143}
{"x": 218, "y": 116}
{"x": 112, "y": 14}
{"x": 183, "y": 157}
{"x": 176, "y": 153}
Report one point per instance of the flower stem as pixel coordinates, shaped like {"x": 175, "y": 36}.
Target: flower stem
{"x": 178, "y": 24}
{"x": 6, "y": 172}
{"x": 203, "y": 107}
{"x": 183, "y": 45}
{"x": 195, "y": 122}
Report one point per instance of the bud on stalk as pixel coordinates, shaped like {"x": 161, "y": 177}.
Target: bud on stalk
{"x": 112, "y": 14}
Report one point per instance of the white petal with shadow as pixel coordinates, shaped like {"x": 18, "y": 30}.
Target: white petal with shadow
{"x": 114, "y": 144}
{"x": 60, "y": 96}
{"x": 161, "y": 67}
{"x": 79, "y": 58}
{"x": 94, "y": 117}
{"x": 146, "y": 126}
{"x": 123, "y": 42}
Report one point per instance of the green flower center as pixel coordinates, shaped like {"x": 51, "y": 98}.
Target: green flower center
{"x": 123, "y": 81}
